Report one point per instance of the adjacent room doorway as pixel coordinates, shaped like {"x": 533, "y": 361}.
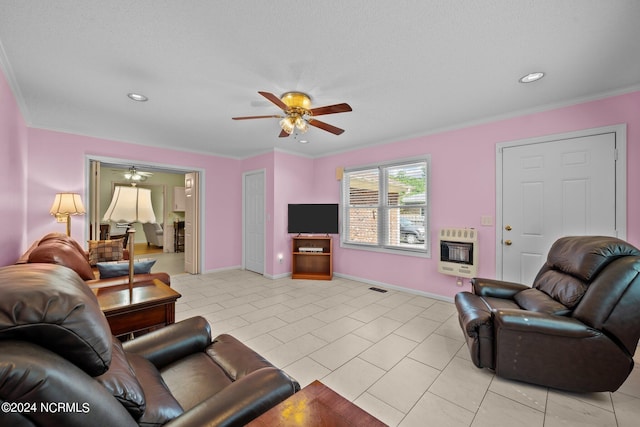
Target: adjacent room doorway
{"x": 570, "y": 184}
{"x": 193, "y": 244}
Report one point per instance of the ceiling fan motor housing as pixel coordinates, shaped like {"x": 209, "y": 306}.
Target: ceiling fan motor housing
{"x": 297, "y": 100}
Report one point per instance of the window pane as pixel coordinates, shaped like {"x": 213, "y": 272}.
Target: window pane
{"x": 364, "y": 188}
{"x": 406, "y": 184}
{"x": 406, "y": 228}
{"x": 363, "y": 225}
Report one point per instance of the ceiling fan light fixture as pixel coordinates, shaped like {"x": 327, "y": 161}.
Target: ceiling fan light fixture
{"x": 288, "y": 125}
{"x": 133, "y": 175}
{"x": 302, "y": 124}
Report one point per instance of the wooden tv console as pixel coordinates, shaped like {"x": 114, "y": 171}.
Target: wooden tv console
{"x": 312, "y": 257}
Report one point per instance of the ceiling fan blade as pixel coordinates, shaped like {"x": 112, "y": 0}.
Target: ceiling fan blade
{"x": 271, "y": 97}
{"x": 283, "y": 134}
{"x": 325, "y": 126}
{"x": 331, "y": 109}
{"x": 257, "y": 117}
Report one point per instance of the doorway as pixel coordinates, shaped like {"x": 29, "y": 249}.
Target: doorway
{"x": 106, "y": 172}
{"x": 559, "y": 185}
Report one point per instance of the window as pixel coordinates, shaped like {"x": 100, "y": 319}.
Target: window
{"x": 384, "y": 207}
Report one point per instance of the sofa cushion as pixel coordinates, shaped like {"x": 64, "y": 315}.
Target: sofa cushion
{"x": 121, "y": 381}
{"x": 47, "y": 300}
{"x": 161, "y": 406}
{"x": 194, "y": 378}
{"x": 536, "y": 300}
{"x": 562, "y": 287}
{"x": 105, "y": 250}
{"x": 121, "y": 268}
{"x": 62, "y": 252}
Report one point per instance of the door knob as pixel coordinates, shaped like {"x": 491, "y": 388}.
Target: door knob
{"x": 507, "y": 227}
{"x": 508, "y": 242}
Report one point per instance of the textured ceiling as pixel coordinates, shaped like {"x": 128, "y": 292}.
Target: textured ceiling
{"x": 407, "y": 68}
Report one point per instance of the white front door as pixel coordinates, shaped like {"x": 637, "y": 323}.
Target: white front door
{"x": 553, "y": 189}
{"x": 254, "y": 233}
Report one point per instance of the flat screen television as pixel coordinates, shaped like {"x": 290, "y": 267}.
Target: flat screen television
{"x": 317, "y": 218}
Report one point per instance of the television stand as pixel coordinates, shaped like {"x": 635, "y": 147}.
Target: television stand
{"x": 312, "y": 257}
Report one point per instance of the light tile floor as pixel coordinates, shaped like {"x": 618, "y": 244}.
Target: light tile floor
{"x": 398, "y": 355}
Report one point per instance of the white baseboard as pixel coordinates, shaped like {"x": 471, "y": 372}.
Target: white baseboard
{"x": 395, "y": 287}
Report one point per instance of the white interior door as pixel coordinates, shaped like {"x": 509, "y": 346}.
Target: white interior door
{"x": 553, "y": 189}
{"x": 191, "y": 221}
{"x": 254, "y": 234}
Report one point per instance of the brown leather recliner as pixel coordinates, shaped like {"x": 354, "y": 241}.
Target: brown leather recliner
{"x": 60, "y": 365}
{"x": 575, "y": 329}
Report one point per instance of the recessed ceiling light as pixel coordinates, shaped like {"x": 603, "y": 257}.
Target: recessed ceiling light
{"x": 303, "y": 141}
{"x": 531, "y": 77}
{"x": 137, "y": 97}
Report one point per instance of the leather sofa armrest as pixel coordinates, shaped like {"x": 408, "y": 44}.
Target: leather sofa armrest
{"x": 173, "y": 342}
{"x": 473, "y": 313}
{"x": 496, "y": 288}
{"x": 524, "y": 321}
{"x": 241, "y": 401}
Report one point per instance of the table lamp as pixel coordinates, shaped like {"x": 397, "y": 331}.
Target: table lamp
{"x": 130, "y": 204}
{"x": 65, "y": 205}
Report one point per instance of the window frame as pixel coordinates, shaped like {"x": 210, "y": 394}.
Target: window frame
{"x": 383, "y": 208}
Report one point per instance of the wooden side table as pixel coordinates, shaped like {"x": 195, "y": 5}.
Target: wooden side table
{"x": 316, "y": 405}
{"x": 152, "y": 306}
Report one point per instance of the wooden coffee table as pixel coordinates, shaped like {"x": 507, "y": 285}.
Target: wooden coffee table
{"x": 152, "y": 305}
{"x": 316, "y": 405}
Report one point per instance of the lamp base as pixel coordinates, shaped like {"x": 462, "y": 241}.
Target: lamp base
{"x": 132, "y": 237}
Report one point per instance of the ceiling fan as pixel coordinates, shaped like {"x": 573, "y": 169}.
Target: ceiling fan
{"x": 298, "y": 114}
{"x": 134, "y": 175}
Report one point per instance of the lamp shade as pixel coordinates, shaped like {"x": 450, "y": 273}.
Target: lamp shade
{"x": 67, "y": 203}
{"x": 130, "y": 204}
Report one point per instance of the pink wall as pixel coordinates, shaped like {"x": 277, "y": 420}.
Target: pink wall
{"x": 294, "y": 180}
{"x": 57, "y": 162}
{"x": 13, "y": 171}
{"x": 460, "y": 199}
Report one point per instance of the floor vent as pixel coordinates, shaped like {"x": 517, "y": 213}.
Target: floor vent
{"x": 378, "y": 290}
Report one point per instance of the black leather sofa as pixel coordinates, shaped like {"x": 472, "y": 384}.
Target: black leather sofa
{"x": 576, "y": 328}
{"x": 60, "y": 365}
